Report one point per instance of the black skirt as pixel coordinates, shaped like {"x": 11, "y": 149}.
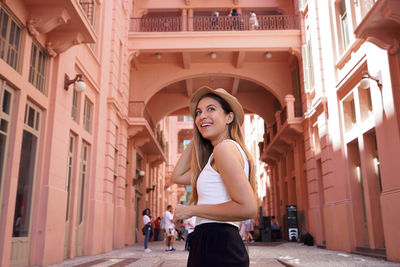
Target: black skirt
{"x": 217, "y": 245}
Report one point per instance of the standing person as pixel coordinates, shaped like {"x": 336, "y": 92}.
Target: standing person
{"x": 169, "y": 229}
{"x": 235, "y": 19}
{"x": 221, "y": 171}
{"x": 146, "y": 228}
{"x": 214, "y": 20}
{"x": 248, "y": 228}
{"x": 253, "y": 22}
{"x": 157, "y": 227}
{"x": 190, "y": 224}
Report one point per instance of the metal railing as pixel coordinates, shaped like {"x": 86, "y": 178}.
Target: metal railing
{"x": 157, "y": 24}
{"x": 209, "y": 23}
{"x": 366, "y": 5}
{"x": 88, "y": 7}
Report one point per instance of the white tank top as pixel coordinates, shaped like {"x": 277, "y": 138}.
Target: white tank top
{"x": 211, "y": 189}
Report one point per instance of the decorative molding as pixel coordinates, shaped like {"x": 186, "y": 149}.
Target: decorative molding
{"x": 62, "y": 41}
{"x": 49, "y": 49}
{"x": 44, "y": 20}
{"x": 134, "y": 130}
{"x": 386, "y": 33}
{"x": 140, "y": 141}
{"x": 30, "y": 26}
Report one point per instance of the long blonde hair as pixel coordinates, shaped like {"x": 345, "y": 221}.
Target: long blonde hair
{"x": 202, "y": 148}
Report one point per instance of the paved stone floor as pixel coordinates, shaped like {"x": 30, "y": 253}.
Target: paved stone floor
{"x": 261, "y": 254}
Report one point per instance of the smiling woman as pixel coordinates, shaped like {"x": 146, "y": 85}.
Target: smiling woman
{"x": 220, "y": 169}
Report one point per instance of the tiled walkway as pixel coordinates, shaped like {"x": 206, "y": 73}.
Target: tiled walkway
{"x": 261, "y": 254}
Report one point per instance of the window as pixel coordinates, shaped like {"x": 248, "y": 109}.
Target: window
{"x": 75, "y": 106}
{"x": 87, "y": 115}
{"x": 70, "y": 169}
{"x": 6, "y": 98}
{"x": 83, "y": 175}
{"x": 344, "y": 24}
{"x": 26, "y": 174}
{"x": 37, "y": 70}
{"x": 308, "y": 68}
{"x": 10, "y": 39}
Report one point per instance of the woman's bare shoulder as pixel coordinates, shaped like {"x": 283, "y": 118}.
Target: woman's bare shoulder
{"x": 226, "y": 149}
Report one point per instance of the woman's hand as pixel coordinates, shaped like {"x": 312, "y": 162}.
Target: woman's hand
{"x": 182, "y": 212}
{"x": 182, "y": 173}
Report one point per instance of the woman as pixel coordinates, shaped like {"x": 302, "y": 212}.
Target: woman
{"x": 147, "y": 224}
{"x": 220, "y": 169}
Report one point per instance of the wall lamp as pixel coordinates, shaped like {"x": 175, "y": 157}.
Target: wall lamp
{"x": 153, "y": 186}
{"x": 158, "y": 56}
{"x": 268, "y": 55}
{"x": 364, "y": 83}
{"x": 142, "y": 173}
{"x": 80, "y": 85}
{"x": 213, "y": 55}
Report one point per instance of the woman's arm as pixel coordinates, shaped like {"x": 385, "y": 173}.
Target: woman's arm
{"x": 182, "y": 173}
{"x": 243, "y": 205}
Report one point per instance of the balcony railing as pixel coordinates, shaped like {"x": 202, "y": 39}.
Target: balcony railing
{"x": 287, "y": 114}
{"x": 209, "y": 23}
{"x": 157, "y": 24}
{"x": 138, "y": 109}
{"x": 88, "y": 7}
{"x": 366, "y": 5}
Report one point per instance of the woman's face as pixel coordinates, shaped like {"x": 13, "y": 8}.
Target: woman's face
{"x": 211, "y": 120}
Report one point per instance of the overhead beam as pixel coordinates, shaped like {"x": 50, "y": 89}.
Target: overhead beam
{"x": 186, "y": 60}
{"x": 235, "y": 86}
{"x": 240, "y": 59}
{"x": 189, "y": 87}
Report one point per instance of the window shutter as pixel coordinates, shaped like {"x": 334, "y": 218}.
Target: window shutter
{"x": 306, "y": 70}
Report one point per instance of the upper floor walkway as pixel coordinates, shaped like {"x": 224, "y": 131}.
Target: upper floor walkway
{"x": 214, "y": 23}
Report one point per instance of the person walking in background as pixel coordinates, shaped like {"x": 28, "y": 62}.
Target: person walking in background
{"x": 190, "y": 224}
{"x": 169, "y": 227}
{"x": 220, "y": 170}
{"x": 157, "y": 227}
{"x": 248, "y": 228}
{"x": 253, "y": 22}
{"x": 147, "y": 228}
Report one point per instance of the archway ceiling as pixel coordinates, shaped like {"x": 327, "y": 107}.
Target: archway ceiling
{"x": 173, "y": 98}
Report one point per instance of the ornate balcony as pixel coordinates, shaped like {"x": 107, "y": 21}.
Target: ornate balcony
{"x": 64, "y": 22}
{"x": 279, "y": 137}
{"x": 381, "y": 24}
{"x": 144, "y": 132}
{"x": 222, "y": 23}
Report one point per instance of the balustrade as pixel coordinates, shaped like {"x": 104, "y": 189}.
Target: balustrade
{"x": 209, "y": 23}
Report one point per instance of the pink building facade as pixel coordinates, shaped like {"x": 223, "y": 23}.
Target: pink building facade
{"x": 78, "y": 166}
{"x": 339, "y": 165}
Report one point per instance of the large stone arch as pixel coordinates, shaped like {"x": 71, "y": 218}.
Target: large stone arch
{"x": 149, "y": 80}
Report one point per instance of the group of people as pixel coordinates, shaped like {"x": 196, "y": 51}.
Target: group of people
{"x": 236, "y": 22}
{"x": 168, "y": 225}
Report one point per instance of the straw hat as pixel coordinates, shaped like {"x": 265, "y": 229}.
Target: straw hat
{"x": 230, "y": 99}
